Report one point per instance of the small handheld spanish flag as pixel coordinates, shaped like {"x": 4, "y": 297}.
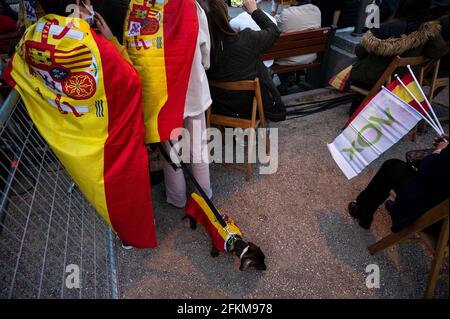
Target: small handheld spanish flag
{"x": 86, "y": 102}
{"x": 397, "y": 89}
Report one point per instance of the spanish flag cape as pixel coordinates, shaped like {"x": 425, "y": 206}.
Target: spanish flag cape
{"x": 161, "y": 37}
{"x": 85, "y": 100}
{"x": 223, "y": 238}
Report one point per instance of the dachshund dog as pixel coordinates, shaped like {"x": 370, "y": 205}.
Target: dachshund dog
{"x": 225, "y": 234}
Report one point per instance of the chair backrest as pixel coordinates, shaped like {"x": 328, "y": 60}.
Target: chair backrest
{"x": 245, "y": 85}
{"x": 299, "y": 43}
{"x": 398, "y": 62}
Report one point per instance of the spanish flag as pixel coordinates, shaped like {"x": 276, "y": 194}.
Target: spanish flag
{"x": 223, "y": 238}
{"x": 397, "y": 88}
{"x": 86, "y": 102}
{"x": 341, "y": 80}
{"x": 161, "y": 37}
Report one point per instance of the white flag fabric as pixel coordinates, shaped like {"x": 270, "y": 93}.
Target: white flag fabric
{"x": 384, "y": 121}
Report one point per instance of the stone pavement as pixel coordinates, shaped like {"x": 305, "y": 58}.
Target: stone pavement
{"x": 298, "y": 216}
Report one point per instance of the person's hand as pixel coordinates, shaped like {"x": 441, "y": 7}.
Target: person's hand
{"x": 103, "y": 27}
{"x": 440, "y": 142}
{"x": 250, "y": 6}
{"x": 439, "y": 139}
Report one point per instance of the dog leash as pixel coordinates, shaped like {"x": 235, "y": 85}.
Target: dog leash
{"x": 188, "y": 172}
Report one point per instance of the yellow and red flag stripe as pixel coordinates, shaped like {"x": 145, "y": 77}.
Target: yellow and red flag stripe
{"x": 397, "y": 88}
{"x": 86, "y": 101}
{"x": 340, "y": 80}
{"x": 222, "y": 237}
{"x": 161, "y": 37}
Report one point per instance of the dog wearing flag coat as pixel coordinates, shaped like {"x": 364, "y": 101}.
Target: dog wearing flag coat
{"x": 224, "y": 238}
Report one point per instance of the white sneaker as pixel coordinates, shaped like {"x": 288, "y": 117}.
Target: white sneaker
{"x": 126, "y": 247}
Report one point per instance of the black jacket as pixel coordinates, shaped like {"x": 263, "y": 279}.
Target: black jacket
{"x": 239, "y": 59}
{"x": 398, "y": 37}
{"x": 422, "y": 192}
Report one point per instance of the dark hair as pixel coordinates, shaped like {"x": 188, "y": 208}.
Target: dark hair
{"x": 58, "y": 7}
{"x": 7, "y": 11}
{"x": 407, "y": 9}
{"x": 218, "y": 22}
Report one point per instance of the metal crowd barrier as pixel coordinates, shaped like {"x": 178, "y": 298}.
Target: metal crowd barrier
{"x": 53, "y": 244}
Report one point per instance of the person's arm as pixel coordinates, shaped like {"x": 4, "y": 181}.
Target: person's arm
{"x": 436, "y": 48}
{"x": 262, "y": 40}
{"x": 336, "y": 16}
{"x": 108, "y": 35}
{"x": 204, "y": 38}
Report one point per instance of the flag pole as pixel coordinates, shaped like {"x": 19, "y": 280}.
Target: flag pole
{"x": 410, "y": 107}
{"x": 425, "y": 97}
{"x": 435, "y": 126}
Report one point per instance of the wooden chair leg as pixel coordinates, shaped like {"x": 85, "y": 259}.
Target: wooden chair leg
{"x": 437, "y": 261}
{"x": 388, "y": 241}
{"x": 406, "y": 233}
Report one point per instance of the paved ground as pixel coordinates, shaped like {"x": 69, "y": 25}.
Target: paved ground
{"x": 298, "y": 216}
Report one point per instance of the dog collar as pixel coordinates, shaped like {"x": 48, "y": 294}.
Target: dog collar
{"x": 244, "y": 252}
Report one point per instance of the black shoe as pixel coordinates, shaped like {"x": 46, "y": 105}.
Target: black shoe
{"x": 365, "y": 221}
{"x": 353, "y": 209}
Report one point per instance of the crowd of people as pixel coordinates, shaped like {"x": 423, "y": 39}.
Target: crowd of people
{"x": 230, "y": 49}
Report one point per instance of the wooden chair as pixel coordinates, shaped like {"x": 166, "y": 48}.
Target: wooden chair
{"x": 257, "y": 119}
{"x": 439, "y": 248}
{"x": 436, "y": 84}
{"x": 432, "y": 79}
{"x": 387, "y": 77}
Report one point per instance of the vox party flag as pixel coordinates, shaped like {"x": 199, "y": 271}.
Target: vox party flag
{"x": 380, "y": 124}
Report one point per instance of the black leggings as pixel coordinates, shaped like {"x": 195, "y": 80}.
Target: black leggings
{"x": 391, "y": 176}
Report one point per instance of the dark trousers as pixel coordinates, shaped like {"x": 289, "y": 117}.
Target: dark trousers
{"x": 391, "y": 176}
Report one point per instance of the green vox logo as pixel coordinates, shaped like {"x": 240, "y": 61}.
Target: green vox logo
{"x": 361, "y": 142}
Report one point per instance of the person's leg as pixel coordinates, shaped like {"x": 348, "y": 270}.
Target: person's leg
{"x": 174, "y": 182}
{"x": 392, "y": 174}
{"x": 199, "y": 148}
